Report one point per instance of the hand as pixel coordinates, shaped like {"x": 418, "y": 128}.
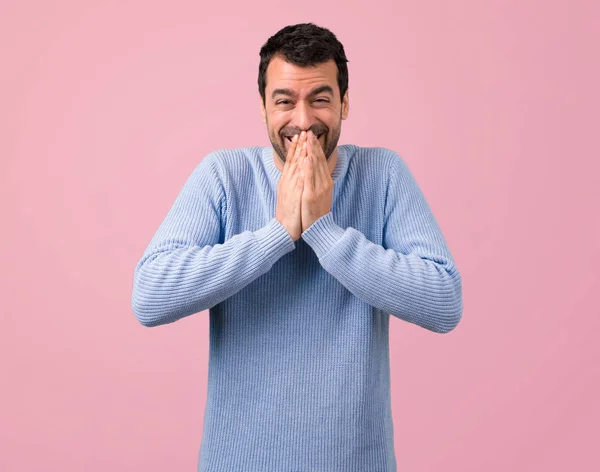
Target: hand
{"x": 289, "y": 188}
{"x": 317, "y": 195}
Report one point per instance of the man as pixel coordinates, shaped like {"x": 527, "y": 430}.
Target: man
{"x": 300, "y": 251}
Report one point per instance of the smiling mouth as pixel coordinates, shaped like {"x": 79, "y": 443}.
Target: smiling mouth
{"x": 289, "y": 138}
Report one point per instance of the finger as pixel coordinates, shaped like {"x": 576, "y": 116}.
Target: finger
{"x": 315, "y": 146}
{"x": 291, "y": 152}
{"x": 319, "y": 150}
{"x": 309, "y": 172}
{"x": 317, "y": 161}
{"x": 300, "y": 161}
{"x": 300, "y": 174}
{"x": 301, "y": 146}
{"x": 300, "y": 152}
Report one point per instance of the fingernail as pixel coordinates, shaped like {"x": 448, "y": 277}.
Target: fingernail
{"x": 295, "y": 138}
{"x": 303, "y": 135}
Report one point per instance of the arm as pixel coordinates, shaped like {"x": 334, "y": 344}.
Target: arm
{"x": 412, "y": 276}
{"x": 185, "y": 269}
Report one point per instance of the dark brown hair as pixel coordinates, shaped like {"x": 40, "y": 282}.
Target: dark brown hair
{"x": 303, "y": 44}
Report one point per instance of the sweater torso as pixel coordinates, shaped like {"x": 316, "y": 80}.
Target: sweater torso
{"x": 299, "y": 366}
{"x": 299, "y": 372}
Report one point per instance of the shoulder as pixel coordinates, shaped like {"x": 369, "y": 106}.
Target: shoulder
{"x": 226, "y": 165}
{"x": 380, "y": 160}
{"x": 225, "y": 159}
{"x": 228, "y": 162}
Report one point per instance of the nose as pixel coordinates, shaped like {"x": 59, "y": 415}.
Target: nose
{"x": 302, "y": 118}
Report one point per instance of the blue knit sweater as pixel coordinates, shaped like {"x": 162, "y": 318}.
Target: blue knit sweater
{"x": 299, "y": 373}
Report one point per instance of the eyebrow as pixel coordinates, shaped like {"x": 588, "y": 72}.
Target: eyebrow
{"x": 316, "y": 91}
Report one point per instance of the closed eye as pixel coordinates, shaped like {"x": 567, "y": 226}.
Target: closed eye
{"x": 282, "y": 102}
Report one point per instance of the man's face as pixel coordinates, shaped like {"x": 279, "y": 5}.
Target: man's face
{"x": 301, "y": 99}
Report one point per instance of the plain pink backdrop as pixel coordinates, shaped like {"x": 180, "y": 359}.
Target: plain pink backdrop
{"x": 107, "y": 106}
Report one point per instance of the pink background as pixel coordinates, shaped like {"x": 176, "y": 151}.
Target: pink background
{"x": 107, "y": 106}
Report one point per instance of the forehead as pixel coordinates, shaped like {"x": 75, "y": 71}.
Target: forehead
{"x": 282, "y": 74}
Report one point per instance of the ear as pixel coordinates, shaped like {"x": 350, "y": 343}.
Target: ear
{"x": 345, "y": 105}
{"x": 263, "y": 112}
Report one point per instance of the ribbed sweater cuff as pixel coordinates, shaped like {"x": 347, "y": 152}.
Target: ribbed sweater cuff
{"x": 323, "y": 234}
{"x": 274, "y": 240}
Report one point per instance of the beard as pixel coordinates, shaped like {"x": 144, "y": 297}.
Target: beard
{"x": 328, "y": 142}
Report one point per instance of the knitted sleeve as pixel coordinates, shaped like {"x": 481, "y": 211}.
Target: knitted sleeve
{"x": 187, "y": 268}
{"x": 412, "y": 275}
